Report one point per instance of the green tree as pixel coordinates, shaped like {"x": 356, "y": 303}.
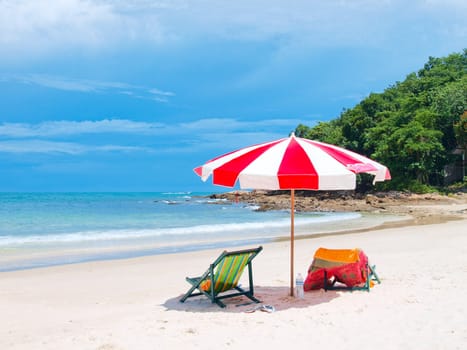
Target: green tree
{"x": 449, "y": 103}
{"x": 460, "y": 130}
{"x": 323, "y": 131}
{"x": 412, "y": 152}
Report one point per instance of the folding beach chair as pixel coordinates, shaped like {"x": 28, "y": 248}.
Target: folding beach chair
{"x": 221, "y": 279}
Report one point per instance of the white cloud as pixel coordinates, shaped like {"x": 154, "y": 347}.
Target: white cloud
{"x": 123, "y": 126}
{"x": 66, "y": 128}
{"x": 160, "y": 92}
{"x": 58, "y": 83}
{"x": 38, "y": 146}
{"x": 63, "y": 83}
{"x": 160, "y": 96}
{"x": 43, "y": 27}
{"x": 199, "y": 135}
{"x": 90, "y": 86}
{"x": 70, "y": 148}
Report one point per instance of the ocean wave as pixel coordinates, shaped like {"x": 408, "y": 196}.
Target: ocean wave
{"x": 176, "y": 193}
{"x": 211, "y": 200}
{"x": 253, "y": 207}
{"x": 242, "y": 230}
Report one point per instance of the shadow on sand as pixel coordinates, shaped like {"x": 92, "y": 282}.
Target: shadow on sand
{"x": 277, "y": 297}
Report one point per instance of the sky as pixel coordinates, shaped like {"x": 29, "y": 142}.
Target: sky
{"x": 131, "y": 95}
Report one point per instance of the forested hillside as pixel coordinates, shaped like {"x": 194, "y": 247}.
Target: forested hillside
{"x": 416, "y": 127}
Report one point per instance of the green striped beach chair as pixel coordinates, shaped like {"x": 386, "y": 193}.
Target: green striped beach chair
{"x": 221, "y": 279}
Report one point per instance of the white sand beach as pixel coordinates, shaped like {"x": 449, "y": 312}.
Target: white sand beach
{"x": 133, "y": 303}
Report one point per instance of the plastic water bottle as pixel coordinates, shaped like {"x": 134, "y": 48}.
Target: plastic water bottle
{"x": 299, "y": 293}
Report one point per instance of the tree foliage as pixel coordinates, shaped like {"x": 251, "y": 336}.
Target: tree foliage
{"x": 412, "y": 127}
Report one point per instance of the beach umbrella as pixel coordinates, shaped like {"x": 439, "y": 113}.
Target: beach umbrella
{"x": 291, "y": 163}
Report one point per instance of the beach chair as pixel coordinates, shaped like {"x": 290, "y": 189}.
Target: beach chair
{"x": 341, "y": 269}
{"x": 220, "y": 281}
{"x": 370, "y": 278}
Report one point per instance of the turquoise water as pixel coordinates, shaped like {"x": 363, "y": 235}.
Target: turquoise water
{"x": 42, "y": 229}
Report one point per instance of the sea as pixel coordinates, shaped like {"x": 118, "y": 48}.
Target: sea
{"x": 48, "y": 229}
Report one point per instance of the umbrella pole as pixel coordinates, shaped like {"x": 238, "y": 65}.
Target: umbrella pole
{"x": 292, "y": 239}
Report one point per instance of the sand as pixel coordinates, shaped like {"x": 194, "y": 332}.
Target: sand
{"x": 133, "y": 303}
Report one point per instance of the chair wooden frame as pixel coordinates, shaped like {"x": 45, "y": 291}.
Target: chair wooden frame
{"x": 223, "y": 276}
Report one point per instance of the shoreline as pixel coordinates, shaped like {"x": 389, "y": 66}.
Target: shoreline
{"x": 402, "y": 210}
{"x": 38, "y": 258}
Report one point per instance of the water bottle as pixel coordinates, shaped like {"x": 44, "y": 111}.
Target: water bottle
{"x": 299, "y": 287}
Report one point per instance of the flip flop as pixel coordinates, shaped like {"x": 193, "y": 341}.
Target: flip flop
{"x": 265, "y": 308}
{"x": 257, "y": 307}
{"x": 268, "y": 308}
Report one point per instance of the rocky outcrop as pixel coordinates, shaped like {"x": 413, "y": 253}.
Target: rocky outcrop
{"x": 391, "y": 202}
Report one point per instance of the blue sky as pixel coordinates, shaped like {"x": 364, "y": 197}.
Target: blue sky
{"x": 131, "y": 95}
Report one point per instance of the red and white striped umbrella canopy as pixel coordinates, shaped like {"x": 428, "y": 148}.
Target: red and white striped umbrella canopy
{"x": 291, "y": 163}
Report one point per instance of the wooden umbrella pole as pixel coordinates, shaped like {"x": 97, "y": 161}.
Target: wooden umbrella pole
{"x": 292, "y": 239}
